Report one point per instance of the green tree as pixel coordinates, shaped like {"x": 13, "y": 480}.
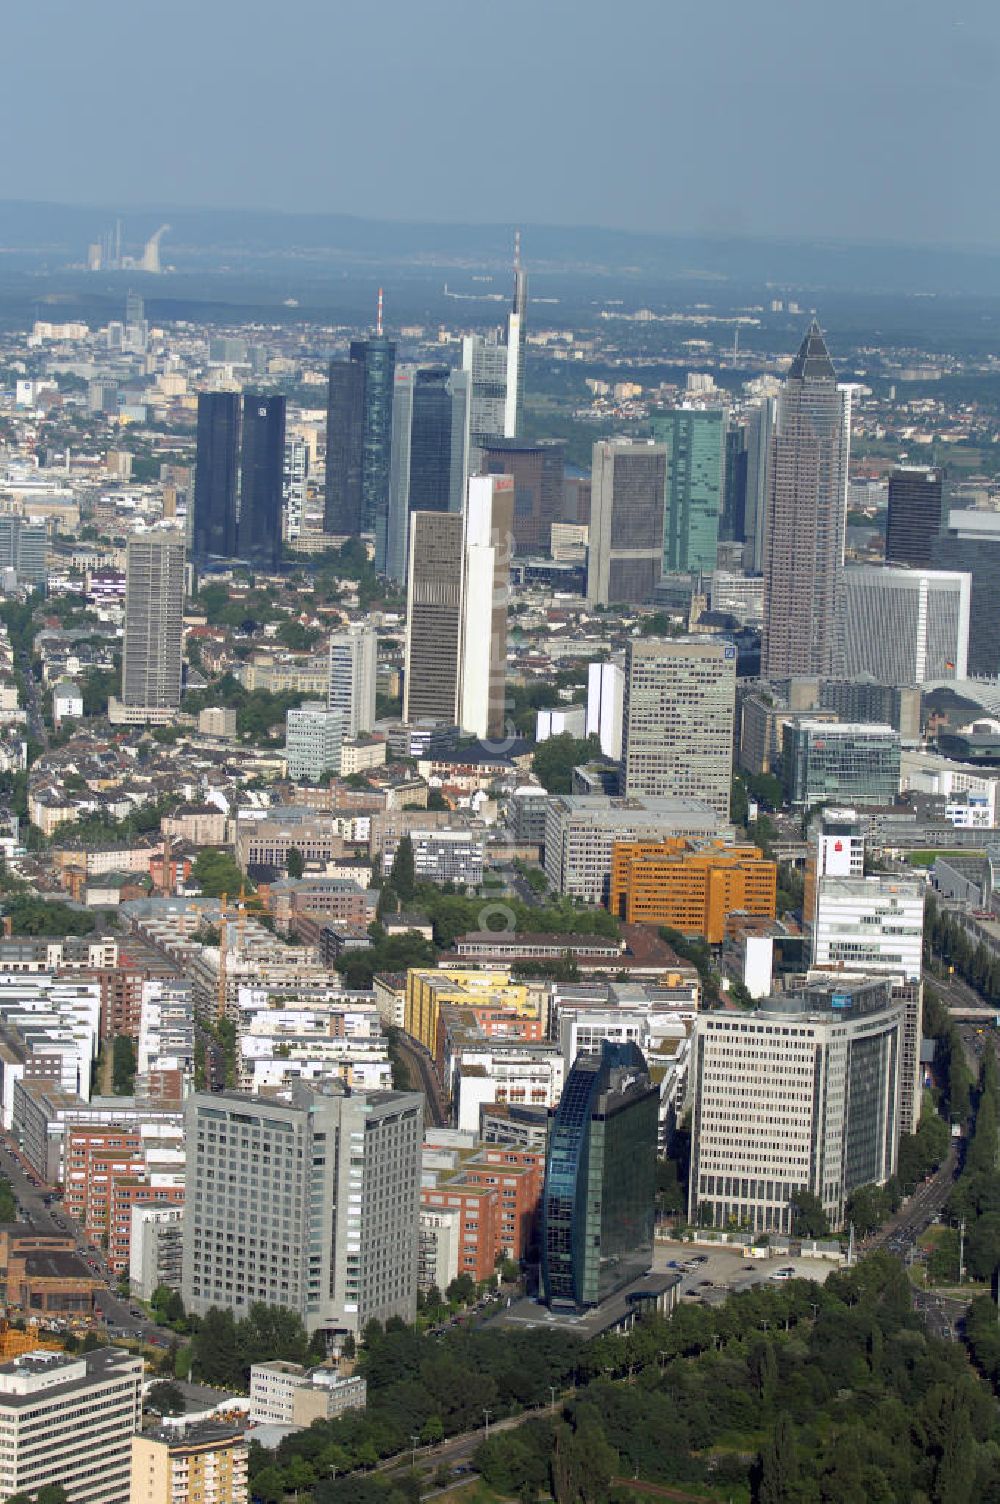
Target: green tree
{"x": 216, "y": 873}
{"x": 779, "y": 1465}
{"x": 295, "y": 862}
{"x": 809, "y": 1218}
{"x": 123, "y": 1065}
{"x": 166, "y": 1399}
{"x": 555, "y": 759}
{"x": 403, "y": 875}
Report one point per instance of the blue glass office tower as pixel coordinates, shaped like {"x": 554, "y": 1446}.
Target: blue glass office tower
{"x": 261, "y": 477}
{"x": 600, "y": 1179}
{"x": 213, "y": 529}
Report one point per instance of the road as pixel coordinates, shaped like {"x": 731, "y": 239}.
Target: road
{"x": 916, "y": 1214}
{"x": 51, "y": 1219}
{"x": 943, "y": 1315}
{"x": 421, "y": 1068}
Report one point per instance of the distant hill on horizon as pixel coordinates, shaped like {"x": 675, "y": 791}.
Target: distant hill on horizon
{"x": 49, "y": 233}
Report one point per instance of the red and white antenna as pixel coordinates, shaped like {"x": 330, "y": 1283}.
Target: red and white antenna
{"x": 378, "y": 316}
{"x": 517, "y": 250}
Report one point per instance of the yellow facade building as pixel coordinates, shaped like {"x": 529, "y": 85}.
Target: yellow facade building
{"x": 691, "y": 885}
{"x": 202, "y": 1464}
{"x": 427, "y": 991}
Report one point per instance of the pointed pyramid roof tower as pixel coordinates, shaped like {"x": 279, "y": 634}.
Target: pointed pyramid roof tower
{"x": 813, "y": 361}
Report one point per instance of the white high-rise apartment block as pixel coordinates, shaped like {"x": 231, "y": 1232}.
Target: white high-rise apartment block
{"x": 353, "y": 667}
{"x": 802, "y": 1094}
{"x": 870, "y": 924}
{"x": 489, "y": 543}
{"x": 313, "y": 738}
{"x": 904, "y": 626}
{"x": 310, "y": 1204}
{"x": 605, "y": 701}
{"x": 70, "y": 1421}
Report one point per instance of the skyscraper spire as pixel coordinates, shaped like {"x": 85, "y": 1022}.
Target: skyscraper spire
{"x": 378, "y": 316}
{"x": 520, "y": 305}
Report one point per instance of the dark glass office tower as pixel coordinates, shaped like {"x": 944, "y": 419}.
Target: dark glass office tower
{"x": 213, "y": 530}
{"x": 345, "y": 409}
{"x": 377, "y": 357}
{"x": 734, "y": 492}
{"x": 915, "y": 500}
{"x": 421, "y": 477}
{"x": 600, "y": 1178}
{"x": 430, "y": 441}
{"x": 261, "y": 477}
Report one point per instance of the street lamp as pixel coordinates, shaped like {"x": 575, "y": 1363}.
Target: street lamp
{"x": 486, "y": 1413}
{"x": 552, "y": 1392}
{"x": 413, "y": 1454}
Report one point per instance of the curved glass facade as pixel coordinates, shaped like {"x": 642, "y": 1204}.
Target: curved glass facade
{"x": 600, "y": 1179}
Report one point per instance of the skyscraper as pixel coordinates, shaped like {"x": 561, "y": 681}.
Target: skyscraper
{"x": 488, "y": 547}
{"x": 345, "y": 410}
{"x": 377, "y": 355}
{"x": 311, "y": 1204}
{"x": 915, "y": 514}
{"x": 154, "y": 610}
{"x": 807, "y": 517}
{"x": 423, "y": 424}
{"x": 733, "y": 525}
{"x": 695, "y": 440}
{"x": 677, "y": 722}
{"x": 434, "y": 617}
{"x": 628, "y": 498}
{"x": 213, "y": 529}
{"x": 971, "y": 544}
{"x": 600, "y": 1178}
{"x": 261, "y": 472}
{"x": 903, "y": 626}
{"x": 294, "y": 485}
{"x": 539, "y": 480}
{"x": 353, "y": 664}
{"x": 495, "y": 366}
{"x": 760, "y": 422}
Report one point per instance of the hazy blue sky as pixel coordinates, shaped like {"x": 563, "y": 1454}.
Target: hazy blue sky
{"x": 867, "y": 119}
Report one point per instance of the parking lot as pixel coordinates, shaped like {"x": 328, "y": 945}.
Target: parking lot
{"x": 726, "y": 1270}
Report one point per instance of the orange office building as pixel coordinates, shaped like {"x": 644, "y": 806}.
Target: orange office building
{"x": 690, "y": 885}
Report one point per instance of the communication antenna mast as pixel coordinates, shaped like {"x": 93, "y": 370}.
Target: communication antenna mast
{"x": 517, "y": 250}
{"x": 378, "y": 317}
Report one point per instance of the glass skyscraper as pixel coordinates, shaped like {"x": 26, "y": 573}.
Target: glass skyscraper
{"x": 213, "y": 530}
{"x": 344, "y": 447}
{"x": 261, "y": 478}
{"x": 600, "y": 1179}
{"x": 803, "y": 552}
{"x": 377, "y": 356}
{"x": 696, "y": 451}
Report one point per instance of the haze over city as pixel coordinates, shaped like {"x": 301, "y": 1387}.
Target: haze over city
{"x": 870, "y": 122}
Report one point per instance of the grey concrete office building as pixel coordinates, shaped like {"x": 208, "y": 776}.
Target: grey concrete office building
{"x": 627, "y": 518}
{"x": 677, "y": 721}
{"x": 311, "y": 1204}
{"x": 803, "y": 1094}
{"x": 154, "y": 610}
